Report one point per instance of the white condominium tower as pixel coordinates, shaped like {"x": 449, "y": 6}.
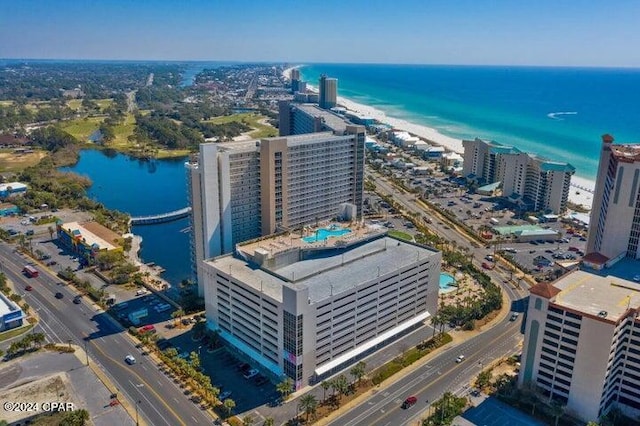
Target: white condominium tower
{"x": 244, "y": 190}
{"x": 615, "y": 218}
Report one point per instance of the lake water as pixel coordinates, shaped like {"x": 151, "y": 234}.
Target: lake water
{"x": 144, "y": 188}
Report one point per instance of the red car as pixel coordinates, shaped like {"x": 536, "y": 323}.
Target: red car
{"x": 147, "y": 329}
{"x": 409, "y": 402}
{"x": 28, "y": 288}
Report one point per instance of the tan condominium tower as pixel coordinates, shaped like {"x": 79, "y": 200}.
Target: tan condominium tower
{"x": 615, "y": 218}
{"x": 247, "y": 189}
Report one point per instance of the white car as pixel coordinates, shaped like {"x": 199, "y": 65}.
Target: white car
{"x": 251, "y": 374}
{"x": 460, "y": 359}
{"x": 129, "y": 359}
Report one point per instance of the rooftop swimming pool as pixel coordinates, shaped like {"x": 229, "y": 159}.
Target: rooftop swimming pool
{"x": 324, "y": 233}
{"x": 447, "y": 283}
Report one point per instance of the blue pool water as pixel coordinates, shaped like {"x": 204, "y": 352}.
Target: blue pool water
{"x": 323, "y": 234}
{"x": 447, "y": 282}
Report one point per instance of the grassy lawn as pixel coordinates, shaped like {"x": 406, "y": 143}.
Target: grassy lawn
{"x": 104, "y": 103}
{"x": 253, "y": 120}
{"x": 10, "y": 162}
{"x": 74, "y": 104}
{"x": 15, "y": 332}
{"x": 81, "y": 128}
{"x": 122, "y": 132}
{"x": 401, "y": 235}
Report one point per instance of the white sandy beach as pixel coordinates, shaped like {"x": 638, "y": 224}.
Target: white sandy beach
{"x": 581, "y": 192}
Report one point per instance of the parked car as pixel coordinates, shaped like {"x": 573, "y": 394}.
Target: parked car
{"x": 251, "y": 374}
{"x": 28, "y": 288}
{"x": 150, "y": 328}
{"x": 514, "y": 316}
{"x": 77, "y": 300}
{"x": 409, "y": 402}
{"x": 59, "y": 295}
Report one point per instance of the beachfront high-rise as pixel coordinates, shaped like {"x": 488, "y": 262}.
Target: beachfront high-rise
{"x": 247, "y": 189}
{"x": 533, "y": 182}
{"x": 328, "y": 88}
{"x": 295, "y": 80}
{"x": 307, "y": 310}
{"x": 582, "y": 341}
{"x": 300, "y": 118}
{"x": 615, "y": 216}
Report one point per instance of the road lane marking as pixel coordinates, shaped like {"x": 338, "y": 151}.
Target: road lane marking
{"x": 403, "y": 389}
{"x": 132, "y": 372}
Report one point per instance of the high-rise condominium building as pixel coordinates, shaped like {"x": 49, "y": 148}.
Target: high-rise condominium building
{"x": 615, "y": 217}
{"x": 243, "y": 190}
{"x": 328, "y": 88}
{"x": 582, "y": 341}
{"x": 300, "y": 118}
{"x": 308, "y": 310}
{"x": 295, "y": 80}
{"x": 534, "y": 182}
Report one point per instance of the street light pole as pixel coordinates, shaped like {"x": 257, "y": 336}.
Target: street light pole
{"x": 137, "y": 403}
{"x": 86, "y": 353}
{"x": 69, "y": 341}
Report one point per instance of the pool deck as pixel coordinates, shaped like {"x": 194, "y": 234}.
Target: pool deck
{"x": 293, "y": 239}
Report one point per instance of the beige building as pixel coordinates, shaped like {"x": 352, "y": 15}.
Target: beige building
{"x": 244, "y": 190}
{"x": 615, "y": 217}
{"x": 582, "y": 341}
{"x": 533, "y": 182}
{"x": 328, "y": 92}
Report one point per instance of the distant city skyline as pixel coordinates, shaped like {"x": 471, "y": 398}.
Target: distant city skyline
{"x": 501, "y": 32}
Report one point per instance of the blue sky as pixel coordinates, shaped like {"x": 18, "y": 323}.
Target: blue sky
{"x": 541, "y": 32}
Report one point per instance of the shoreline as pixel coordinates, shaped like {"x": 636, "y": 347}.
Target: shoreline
{"x": 581, "y": 192}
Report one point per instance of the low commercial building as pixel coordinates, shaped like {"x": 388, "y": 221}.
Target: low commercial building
{"x": 308, "y": 307}
{"x": 12, "y": 189}
{"x": 11, "y": 314}
{"x": 87, "y": 239}
{"x": 8, "y": 209}
{"x": 526, "y": 233}
{"x": 582, "y": 341}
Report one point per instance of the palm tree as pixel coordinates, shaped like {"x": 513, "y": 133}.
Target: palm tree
{"x": 285, "y": 387}
{"x": 51, "y": 231}
{"x": 248, "y": 421}
{"x": 229, "y": 404}
{"x": 358, "y": 371}
{"x": 341, "y": 384}
{"x": 556, "y": 410}
{"x": 308, "y": 404}
{"x": 325, "y": 386}
{"x": 269, "y": 421}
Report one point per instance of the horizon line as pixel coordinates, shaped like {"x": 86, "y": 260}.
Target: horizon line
{"x": 304, "y": 63}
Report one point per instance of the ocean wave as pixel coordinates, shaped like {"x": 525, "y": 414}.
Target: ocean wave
{"x": 558, "y": 115}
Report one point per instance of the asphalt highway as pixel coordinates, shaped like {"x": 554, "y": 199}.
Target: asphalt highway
{"x": 157, "y": 399}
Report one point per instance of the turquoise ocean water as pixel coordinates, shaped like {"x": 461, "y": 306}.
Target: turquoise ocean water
{"x": 559, "y": 113}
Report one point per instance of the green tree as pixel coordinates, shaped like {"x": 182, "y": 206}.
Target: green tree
{"x": 484, "y": 379}
{"x": 269, "y": 421}
{"x": 228, "y": 405}
{"x": 51, "y": 231}
{"x": 285, "y": 387}
{"x": 326, "y": 385}
{"x": 358, "y": 371}
{"x": 309, "y": 405}
{"x": 248, "y": 420}
{"x": 341, "y": 385}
